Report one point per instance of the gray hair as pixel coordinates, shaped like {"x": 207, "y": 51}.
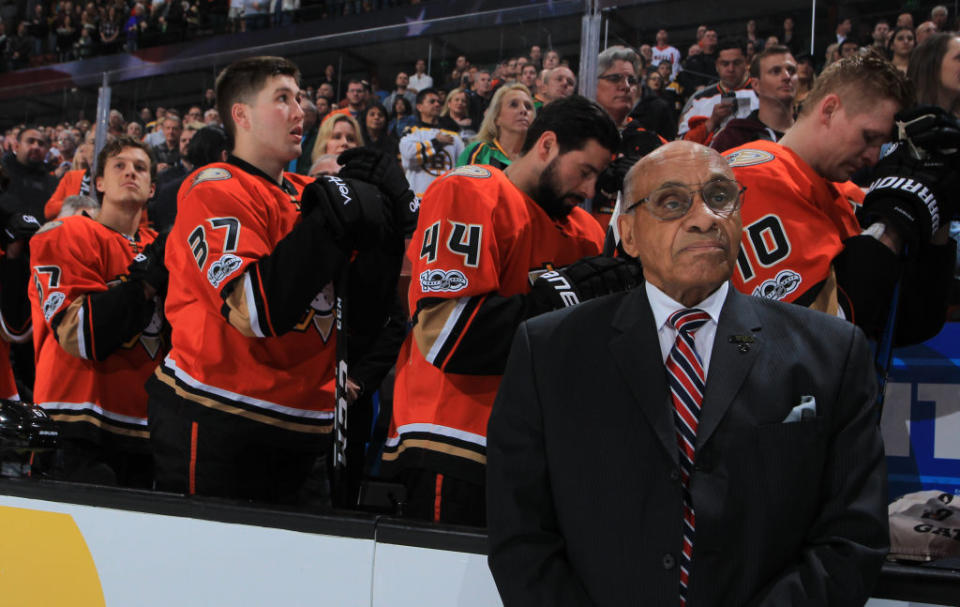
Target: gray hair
{"x": 617, "y": 53}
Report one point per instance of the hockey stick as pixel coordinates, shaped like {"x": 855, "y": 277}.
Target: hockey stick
{"x": 338, "y": 484}
{"x": 884, "y": 354}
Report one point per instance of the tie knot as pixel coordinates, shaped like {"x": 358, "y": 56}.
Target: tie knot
{"x": 688, "y": 320}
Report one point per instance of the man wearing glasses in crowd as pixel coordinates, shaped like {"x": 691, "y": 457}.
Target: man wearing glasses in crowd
{"x": 690, "y": 478}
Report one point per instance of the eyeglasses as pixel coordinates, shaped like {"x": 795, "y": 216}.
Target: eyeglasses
{"x": 618, "y": 78}
{"x": 673, "y": 201}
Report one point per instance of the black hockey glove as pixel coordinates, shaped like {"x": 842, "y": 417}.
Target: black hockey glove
{"x": 355, "y": 213}
{"x": 610, "y": 181}
{"x": 148, "y": 266}
{"x": 930, "y": 129}
{"x": 909, "y": 194}
{"x": 382, "y": 170}
{"x": 582, "y": 280}
{"x": 19, "y": 226}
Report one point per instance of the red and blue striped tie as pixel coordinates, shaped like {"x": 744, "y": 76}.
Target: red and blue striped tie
{"x": 687, "y": 381}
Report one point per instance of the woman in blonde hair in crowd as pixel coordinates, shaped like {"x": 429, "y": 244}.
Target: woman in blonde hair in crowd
{"x": 455, "y": 115}
{"x": 338, "y": 133}
{"x": 503, "y": 129}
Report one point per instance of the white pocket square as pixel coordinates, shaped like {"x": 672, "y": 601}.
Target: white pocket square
{"x": 807, "y": 409}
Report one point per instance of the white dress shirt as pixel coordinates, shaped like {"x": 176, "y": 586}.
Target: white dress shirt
{"x": 663, "y": 306}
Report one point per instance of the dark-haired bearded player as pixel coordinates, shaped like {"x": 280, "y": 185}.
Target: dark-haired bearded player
{"x": 482, "y": 236}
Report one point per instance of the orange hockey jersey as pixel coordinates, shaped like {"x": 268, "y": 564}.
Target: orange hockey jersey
{"x": 794, "y": 225}
{"x": 98, "y": 399}
{"x": 224, "y": 353}
{"x": 478, "y": 237}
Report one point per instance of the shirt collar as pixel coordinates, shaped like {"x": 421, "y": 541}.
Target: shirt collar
{"x": 663, "y": 305}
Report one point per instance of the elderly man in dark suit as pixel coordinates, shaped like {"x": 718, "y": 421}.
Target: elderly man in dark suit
{"x": 681, "y": 443}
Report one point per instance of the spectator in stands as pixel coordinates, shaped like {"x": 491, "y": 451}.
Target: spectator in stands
{"x": 789, "y": 37}
{"x": 194, "y": 114}
{"x": 211, "y": 117}
{"x": 844, "y": 27}
{"x": 374, "y": 133}
{"x": 831, "y": 54}
{"x": 311, "y": 127}
{"x": 480, "y": 95}
{"x": 402, "y": 117}
{"x": 182, "y": 167}
{"x": 924, "y": 31}
{"x": 700, "y": 69}
{"x": 85, "y": 46}
{"x": 168, "y": 153}
{"x": 655, "y": 110}
{"x": 663, "y": 50}
{"x": 21, "y": 47}
{"x": 503, "y": 130}
{"x": 110, "y": 31}
{"x": 709, "y": 110}
{"x": 325, "y": 165}
{"x": 645, "y": 52}
{"x": 806, "y": 76}
{"x": 115, "y": 123}
{"x": 206, "y": 145}
{"x": 528, "y": 77}
{"x": 938, "y": 15}
{"x": 536, "y": 56}
{"x": 901, "y": 47}
{"x": 135, "y": 130}
{"x": 557, "y": 83}
{"x": 401, "y": 90}
{"x": 880, "y": 37}
{"x": 66, "y": 35}
{"x": 426, "y": 150}
{"x": 751, "y": 35}
{"x": 617, "y": 67}
{"x": 774, "y": 77}
{"x": 31, "y": 183}
{"x": 338, "y": 133}
{"x": 935, "y": 72}
{"x": 67, "y": 147}
{"x": 455, "y": 115}
{"x": 132, "y": 27}
{"x": 551, "y": 59}
{"x": 325, "y": 89}
{"x": 905, "y": 20}
{"x": 420, "y": 79}
{"x": 356, "y": 99}
{"x": 848, "y": 48}
{"x": 209, "y": 100}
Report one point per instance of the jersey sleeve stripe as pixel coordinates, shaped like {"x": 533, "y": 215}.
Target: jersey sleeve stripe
{"x": 66, "y": 329}
{"x": 262, "y": 311}
{"x": 237, "y": 311}
{"x": 250, "y": 302}
{"x": 471, "y": 310}
{"x": 448, "y": 327}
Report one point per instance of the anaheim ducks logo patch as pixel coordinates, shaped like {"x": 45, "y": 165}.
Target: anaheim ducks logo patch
{"x": 471, "y": 170}
{"x": 49, "y": 226}
{"x": 211, "y": 174}
{"x": 747, "y": 158}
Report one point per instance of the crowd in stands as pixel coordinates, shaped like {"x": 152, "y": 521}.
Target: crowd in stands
{"x": 39, "y": 32}
{"x": 720, "y": 92}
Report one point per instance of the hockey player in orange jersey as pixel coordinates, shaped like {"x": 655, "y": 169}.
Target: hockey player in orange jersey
{"x": 811, "y": 237}
{"x": 243, "y": 404}
{"x": 484, "y": 236}
{"x": 97, "y": 321}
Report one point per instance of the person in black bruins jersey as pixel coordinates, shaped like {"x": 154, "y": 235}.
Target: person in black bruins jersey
{"x": 243, "y": 404}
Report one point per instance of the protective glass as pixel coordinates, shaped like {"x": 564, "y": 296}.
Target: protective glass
{"x": 722, "y": 196}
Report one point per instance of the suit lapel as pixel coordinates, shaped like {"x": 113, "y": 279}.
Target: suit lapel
{"x": 730, "y": 361}
{"x": 636, "y": 354}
